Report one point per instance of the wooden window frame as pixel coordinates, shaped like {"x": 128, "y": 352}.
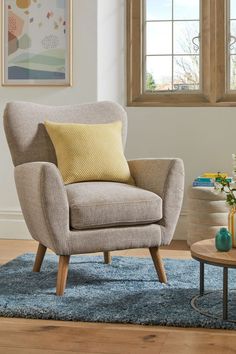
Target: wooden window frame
{"x": 213, "y": 57}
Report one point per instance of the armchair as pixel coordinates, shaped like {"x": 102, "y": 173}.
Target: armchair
{"x": 89, "y": 216}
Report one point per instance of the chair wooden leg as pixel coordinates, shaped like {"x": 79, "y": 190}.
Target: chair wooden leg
{"x": 156, "y": 257}
{"x": 62, "y": 274}
{"x": 107, "y": 257}
{"x": 39, "y": 257}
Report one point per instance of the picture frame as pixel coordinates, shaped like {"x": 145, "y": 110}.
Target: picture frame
{"x": 36, "y": 43}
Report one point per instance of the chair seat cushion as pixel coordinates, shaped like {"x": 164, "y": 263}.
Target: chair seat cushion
{"x": 109, "y": 204}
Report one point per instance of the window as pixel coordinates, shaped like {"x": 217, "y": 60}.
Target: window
{"x": 181, "y": 52}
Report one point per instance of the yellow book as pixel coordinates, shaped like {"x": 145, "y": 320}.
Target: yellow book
{"x": 215, "y": 175}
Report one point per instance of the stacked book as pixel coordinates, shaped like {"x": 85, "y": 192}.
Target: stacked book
{"x": 208, "y": 179}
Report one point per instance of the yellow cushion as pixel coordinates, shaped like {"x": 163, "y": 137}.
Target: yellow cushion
{"x": 89, "y": 152}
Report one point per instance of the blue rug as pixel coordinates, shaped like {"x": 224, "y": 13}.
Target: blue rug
{"x": 127, "y": 291}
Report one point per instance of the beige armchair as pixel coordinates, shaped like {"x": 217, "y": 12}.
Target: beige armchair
{"x": 90, "y": 216}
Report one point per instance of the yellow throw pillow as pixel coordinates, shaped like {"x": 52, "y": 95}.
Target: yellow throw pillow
{"x": 89, "y": 152}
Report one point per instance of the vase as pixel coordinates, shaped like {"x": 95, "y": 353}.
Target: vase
{"x": 223, "y": 240}
{"x": 232, "y": 225}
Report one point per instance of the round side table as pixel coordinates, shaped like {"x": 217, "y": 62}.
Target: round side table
{"x": 206, "y": 253}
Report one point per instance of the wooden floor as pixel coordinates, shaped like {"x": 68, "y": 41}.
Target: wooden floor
{"x": 23, "y": 336}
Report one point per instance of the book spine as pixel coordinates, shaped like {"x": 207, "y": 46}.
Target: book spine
{"x": 215, "y": 175}
{"x": 203, "y": 179}
{"x": 203, "y": 184}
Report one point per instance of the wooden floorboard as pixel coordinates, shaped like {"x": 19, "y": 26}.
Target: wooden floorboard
{"x": 24, "y": 336}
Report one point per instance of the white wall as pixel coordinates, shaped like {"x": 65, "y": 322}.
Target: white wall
{"x": 203, "y": 137}
{"x": 111, "y": 50}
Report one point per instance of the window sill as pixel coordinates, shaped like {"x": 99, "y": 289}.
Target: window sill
{"x": 180, "y": 100}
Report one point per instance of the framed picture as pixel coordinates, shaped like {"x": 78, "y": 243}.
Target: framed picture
{"x": 36, "y": 43}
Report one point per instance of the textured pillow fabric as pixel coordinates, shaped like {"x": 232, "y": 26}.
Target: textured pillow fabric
{"x": 89, "y": 152}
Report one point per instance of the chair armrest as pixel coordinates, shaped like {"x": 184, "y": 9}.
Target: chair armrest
{"x": 165, "y": 177}
{"x": 44, "y": 204}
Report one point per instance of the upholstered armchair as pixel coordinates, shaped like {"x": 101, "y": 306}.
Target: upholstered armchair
{"x": 89, "y": 217}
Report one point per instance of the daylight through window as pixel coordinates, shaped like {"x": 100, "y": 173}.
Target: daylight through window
{"x": 172, "y": 45}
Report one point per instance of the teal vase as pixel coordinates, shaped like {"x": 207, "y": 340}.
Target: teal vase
{"x": 223, "y": 240}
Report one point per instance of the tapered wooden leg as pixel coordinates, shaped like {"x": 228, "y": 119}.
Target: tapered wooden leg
{"x": 62, "y": 274}
{"x": 156, "y": 257}
{"x": 39, "y": 257}
{"x": 107, "y": 257}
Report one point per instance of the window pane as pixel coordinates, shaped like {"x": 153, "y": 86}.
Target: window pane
{"x": 172, "y": 42}
{"x": 158, "y": 10}
{"x": 233, "y": 9}
{"x": 186, "y": 73}
{"x": 186, "y": 37}
{"x": 233, "y": 72}
{"x": 232, "y": 45}
{"x": 155, "y": 41}
{"x": 159, "y": 73}
{"x": 186, "y": 9}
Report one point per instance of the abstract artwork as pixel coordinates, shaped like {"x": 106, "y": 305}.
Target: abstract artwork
{"x": 36, "y": 42}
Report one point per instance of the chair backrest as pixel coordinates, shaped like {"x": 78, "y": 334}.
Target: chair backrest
{"x": 27, "y": 137}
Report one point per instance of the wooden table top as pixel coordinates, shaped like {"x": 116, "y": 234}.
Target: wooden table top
{"x": 205, "y": 250}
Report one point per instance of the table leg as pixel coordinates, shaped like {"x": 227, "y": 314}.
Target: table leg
{"x": 225, "y": 293}
{"x": 201, "y": 278}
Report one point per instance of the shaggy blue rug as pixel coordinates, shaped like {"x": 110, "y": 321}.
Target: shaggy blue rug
{"x": 127, "y": 291}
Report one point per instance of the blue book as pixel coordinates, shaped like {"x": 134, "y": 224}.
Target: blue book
{"x": 202, "y": 184}
{"x": 203, "y": 179}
